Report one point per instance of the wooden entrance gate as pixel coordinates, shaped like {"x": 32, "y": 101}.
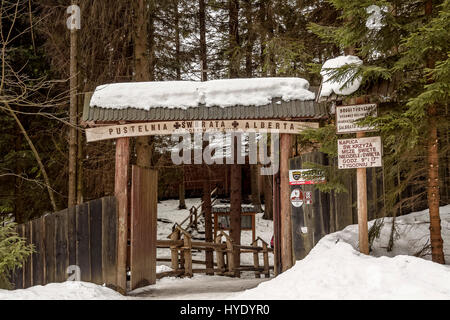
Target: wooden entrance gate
{"x": 143, "y": 227}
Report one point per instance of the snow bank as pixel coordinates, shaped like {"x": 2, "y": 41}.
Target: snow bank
{"x": 341, "y": 86}
{"x": 336, "y": 270}
{"x": 70, "y": 290}
{"x": 186, "y": 94}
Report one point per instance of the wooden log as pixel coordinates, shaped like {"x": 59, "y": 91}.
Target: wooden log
{"x": 187, "y": 249}
{"x": 285, "y": 204}
{"x": 121, "y": 193}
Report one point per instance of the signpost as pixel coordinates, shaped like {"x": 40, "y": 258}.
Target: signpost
{"x": 359, "y": 153}
{"x": 347, "y": 116}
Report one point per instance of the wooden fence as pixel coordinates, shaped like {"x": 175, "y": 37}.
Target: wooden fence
{"x": 181, "y": 246}
{"x": 79, "y": 242}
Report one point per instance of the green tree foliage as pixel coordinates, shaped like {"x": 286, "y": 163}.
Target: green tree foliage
{"x": 13, "y": 252}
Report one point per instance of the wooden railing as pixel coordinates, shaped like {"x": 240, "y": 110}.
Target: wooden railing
{"x": 181, "y": 246}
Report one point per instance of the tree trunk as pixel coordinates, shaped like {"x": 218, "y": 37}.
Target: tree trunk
{"x": 262, "y": 33}
{"x": 437, "y": 244}
{"x": 203, "y": 49}
{"x": 234, "y": 41}
{"x": 142, "y": 69}
{"x": 73, "y": 111}
{"x": 177, "y": 40}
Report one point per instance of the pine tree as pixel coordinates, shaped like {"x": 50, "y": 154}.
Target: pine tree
{"x": 410, "y": 41}
{"x": 13, "y": 252}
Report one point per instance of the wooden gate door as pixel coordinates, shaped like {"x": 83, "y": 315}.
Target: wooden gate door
{"x": 144, "y": 199}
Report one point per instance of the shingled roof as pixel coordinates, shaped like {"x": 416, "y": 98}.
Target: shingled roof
{"x": 106, "y": 105}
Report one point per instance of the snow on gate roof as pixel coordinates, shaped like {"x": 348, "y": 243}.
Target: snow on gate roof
{"x": 261, "y": 98}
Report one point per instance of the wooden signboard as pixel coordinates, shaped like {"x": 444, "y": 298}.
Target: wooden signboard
{"x": 300, "y": 177}
{"x": 347, "y": 116}
{"x": 171, "y": 127}
{"x": 359, "y": 153}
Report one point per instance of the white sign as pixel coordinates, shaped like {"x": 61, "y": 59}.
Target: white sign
{"x": 296, "y": 178}
{"x": 169, "y": 127}
{"x": 360, "y": 153}
{"x": 308, "y": 197}
{"x": 347, "y": 116}
{"x": 297, "y": 198}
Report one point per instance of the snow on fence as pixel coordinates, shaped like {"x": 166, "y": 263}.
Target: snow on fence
{"x": 78, "y": 243}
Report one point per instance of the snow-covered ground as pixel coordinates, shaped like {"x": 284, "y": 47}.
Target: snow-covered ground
{"x": 333, "y": 270}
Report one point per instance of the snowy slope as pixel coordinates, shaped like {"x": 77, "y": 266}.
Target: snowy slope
{"x": 336, "y": 270}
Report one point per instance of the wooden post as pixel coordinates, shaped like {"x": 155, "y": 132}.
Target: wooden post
{"x": 235, "y": 204}
{"x": 256, "y": 260}
{"x": 361, "y": 183}
{"x": 121, "y": 193}
{"x": 220, "y": 257}
{"x": 276, "y": 223}
{"x": 285, "y": 210}
{"x": 175, "y": 236}
{"x": 206, "y": 208}
{"x": 187, "y": 255}
{"x": 230, "y": 257}
{"x": 266, "y": 260}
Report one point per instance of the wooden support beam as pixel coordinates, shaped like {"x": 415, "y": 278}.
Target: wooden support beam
{"x": 206, "y": 209}
{"x": 121, "y": 193}
{"x": 235, "y": 203}
{"x": 175, "y": 236}
{"x": 285, "y": 204}
{"x": 276, "y": 223}
{"x": 187, "y": 256}
{"x": 361, "y": 183}
{"x": 256, "y": 260}
{"x": 220, "y": 257}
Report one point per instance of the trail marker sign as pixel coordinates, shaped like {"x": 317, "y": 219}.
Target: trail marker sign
{"x": 297, "y": 178}
{"x": 347, "y": 116}
{"x": 360, "y": 153}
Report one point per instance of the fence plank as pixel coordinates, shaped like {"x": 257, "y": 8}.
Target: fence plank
{"x": 50, "y": 260}
{"x": 38, "y": 258}
{"x": 143, "y": 226}
{"x": 109, "y": 243}
{"x": 61, "y": 246}
{"x": 83, "y": 242}
{"x": 95, "y": 224}
{"x": 28, "y": 266}
{"x": 72, "y": 235}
